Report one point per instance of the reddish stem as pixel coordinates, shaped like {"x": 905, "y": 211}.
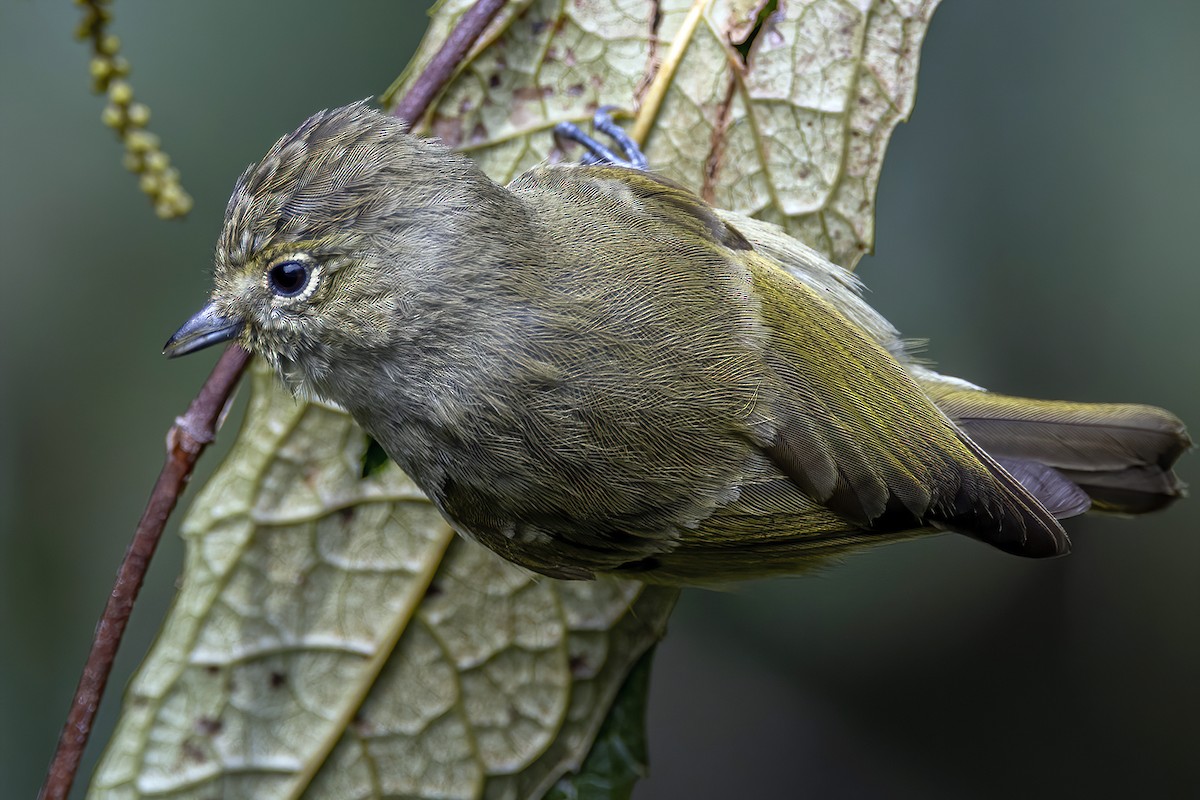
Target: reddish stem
{"x": 441, "y": 67}
{"x": 186, "y": 440}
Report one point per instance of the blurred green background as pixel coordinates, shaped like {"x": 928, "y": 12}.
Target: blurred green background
{"x": 1036, "y": 221}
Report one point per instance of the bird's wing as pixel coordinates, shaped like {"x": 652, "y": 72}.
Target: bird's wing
{"x": 858, "y": 435}
{"x": 853, "y": 431}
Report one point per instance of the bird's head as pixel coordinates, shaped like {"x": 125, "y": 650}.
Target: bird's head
{"x": 325, "y": 240}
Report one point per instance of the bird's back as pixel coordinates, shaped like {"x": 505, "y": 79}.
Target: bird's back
{"x": 716, "y": 381}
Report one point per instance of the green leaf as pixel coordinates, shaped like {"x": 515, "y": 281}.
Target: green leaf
{"x": 333, "y": 638}
{"x": 374, "y": 458}
{"x": 618, "y": 758}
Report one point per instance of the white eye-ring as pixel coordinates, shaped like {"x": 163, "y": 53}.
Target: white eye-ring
{"x": 292, "y": 278}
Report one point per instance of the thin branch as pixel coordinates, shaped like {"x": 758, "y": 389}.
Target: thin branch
{"x": 441, "y": 67}
{"x": 186, "y": 440}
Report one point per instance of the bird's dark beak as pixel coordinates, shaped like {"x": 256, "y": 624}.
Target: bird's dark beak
{"x": 206, "y": 328}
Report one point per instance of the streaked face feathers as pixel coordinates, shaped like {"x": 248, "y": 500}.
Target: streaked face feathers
{"x": 314, "y": 211}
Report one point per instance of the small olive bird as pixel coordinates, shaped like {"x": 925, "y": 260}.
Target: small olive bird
{"x": 592, "y": 370}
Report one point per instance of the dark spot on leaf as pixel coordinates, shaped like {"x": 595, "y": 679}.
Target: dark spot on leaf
{"x": 277, "y": 679}
{"x": 211, "y": 669}
{"x": 362, "y": 726}
{"x": 448, "y": 129}
{"x": 209, "y": 726}
{"x": 433, "y": 590}
{"x": 311, "y": 475}
{"x": 193, "y": 752}
{"x": 532, "y": 92}
{"x": 494, "y": 80}
{"x": 478, "y": 133}
{"x": 575, "y": 90}
{"x": 579, "y": 666}
{"x": 346, "y": 515}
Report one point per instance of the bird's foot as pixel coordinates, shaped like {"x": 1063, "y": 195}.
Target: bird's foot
{"x": 596, "y": 153}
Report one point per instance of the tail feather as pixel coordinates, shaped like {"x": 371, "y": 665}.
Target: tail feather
{"x": 1022, "y": 524}
{"x": 1061, "y": 496}
{"x": 1120, "y": 455}
{"x": 1134, "y": 490}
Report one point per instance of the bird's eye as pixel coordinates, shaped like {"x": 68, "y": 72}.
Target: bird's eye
{"x": 288, "y": 278}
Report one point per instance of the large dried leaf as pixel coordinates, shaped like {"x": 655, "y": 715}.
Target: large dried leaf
{"x": 332, "y": 638}
{"x": 796, "y": 135}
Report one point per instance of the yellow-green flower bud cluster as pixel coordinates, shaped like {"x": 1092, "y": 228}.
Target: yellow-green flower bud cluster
{"x": 143, "y": 155}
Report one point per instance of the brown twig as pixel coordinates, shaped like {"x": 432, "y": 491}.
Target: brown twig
{"x": 442, "y": 65}
{"x": 186, "y": 440}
